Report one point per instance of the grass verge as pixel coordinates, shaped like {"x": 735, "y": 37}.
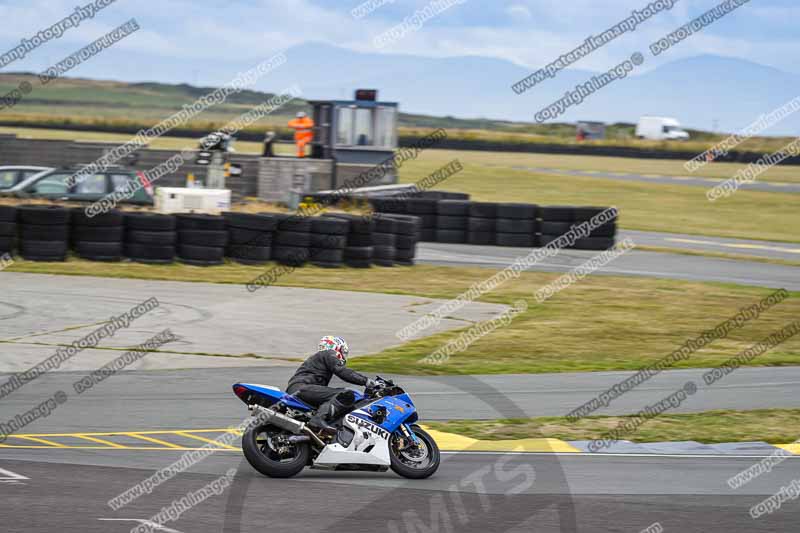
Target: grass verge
{"x": 602, "y": 323}
{"x": 776, "y": 426}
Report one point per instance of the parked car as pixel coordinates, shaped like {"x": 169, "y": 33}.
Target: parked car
{"x": 55, "y": 185}
{"x": 12, "y": 175}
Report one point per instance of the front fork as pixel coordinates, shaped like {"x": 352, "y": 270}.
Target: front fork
{"x": 409, "y": 434}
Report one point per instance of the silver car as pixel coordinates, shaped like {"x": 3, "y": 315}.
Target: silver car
{"x": 13, "y": 175}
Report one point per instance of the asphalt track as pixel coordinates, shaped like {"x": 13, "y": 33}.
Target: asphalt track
{"x": 53, "y": 489}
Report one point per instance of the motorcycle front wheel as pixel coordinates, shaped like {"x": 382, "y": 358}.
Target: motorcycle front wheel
{"x": 266, "y": 449}
{"x": 414, "y": 461}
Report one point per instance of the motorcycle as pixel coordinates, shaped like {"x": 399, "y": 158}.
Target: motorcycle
{"x": 378, "y": 433}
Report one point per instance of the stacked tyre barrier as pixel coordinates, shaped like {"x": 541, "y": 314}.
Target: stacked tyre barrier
{"x": 481, "y": 223}
{"x": 202, "y": 239}
{"x": 384, "y": 241}
{"x": 43, "y": 232}
{"x": 292, "y": 240}
{"x": 452, "y": 217}
{"x": 328, "y": 241}
{"x": 602, "y": 237}
{"x": 427, "y": 210}
{"x": 98, "y": 238}
{"x": 359, "y": 247}
{"x": 8, "y": 229}
{"x": 250, "y": 237}
{"x": 502, "y": 224}
{"x": 150, "y": 238}
{"x": 517, "y": 225}
{"x": 406, "y": 236}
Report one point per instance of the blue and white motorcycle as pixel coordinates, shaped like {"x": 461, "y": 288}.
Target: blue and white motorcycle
{"x": 377, "y": 434}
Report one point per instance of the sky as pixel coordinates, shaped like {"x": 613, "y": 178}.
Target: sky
{"x": 528, "y": 32}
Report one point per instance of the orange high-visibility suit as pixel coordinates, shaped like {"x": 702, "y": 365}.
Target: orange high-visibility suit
{"x": 303, "y": 133}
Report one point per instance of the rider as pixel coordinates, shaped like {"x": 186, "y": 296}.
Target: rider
{"x": 310, "y": 382}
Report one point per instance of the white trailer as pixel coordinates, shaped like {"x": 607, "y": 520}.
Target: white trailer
{"x": 660, "y": 129}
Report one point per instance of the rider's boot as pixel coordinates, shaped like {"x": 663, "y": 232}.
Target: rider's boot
{"x": 328, "y": 412}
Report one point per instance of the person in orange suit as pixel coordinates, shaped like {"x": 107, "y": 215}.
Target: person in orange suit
{"x": 303, "y": 132}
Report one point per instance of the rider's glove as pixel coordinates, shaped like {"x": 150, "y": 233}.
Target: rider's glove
{"x": 371, "y": 383}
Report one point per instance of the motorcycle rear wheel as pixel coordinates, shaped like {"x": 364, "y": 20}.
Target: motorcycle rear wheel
{"x": 261, "y": 456}
{"x": 415, "y": 464}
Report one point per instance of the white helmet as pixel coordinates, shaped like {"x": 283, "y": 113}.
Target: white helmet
{"x": 337, "y": 344}
{"x": 300, "y": 114}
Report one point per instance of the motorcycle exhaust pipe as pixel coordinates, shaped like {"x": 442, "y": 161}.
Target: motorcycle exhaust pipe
{"x": 284, "y": 422}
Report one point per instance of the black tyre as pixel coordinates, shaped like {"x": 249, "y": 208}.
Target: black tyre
{"x": 200, "y": 222}
{"x": 157, "y": 238}
{"x": 555, "y": 228}
{"x": 358, "y": 252}
{"x": 556, "y": 213}
{"x": 383, "y": 253}
{"x": 358, "y": 224}
{"x": 581, "y": 214}
{"x": 407, "y": 224}
{"x": 149, "y": 222}
{"x": 326, "y": 264}
{"x": 480, "y": 237}
{"x": 150, "y": 252}
{"x": 330, "y": 226}
{"x": 8, "y": 229}
{"x": 107, "y": 219}
{"x": 483, "y": 210}
{"x": 41, "y": 232}
{"x": 385, "y": 224}
{"x": 250, "y": 221}
{"x": 594, "y": 243}
{"x": 43, "y": 215}
{"x": 383, "y": 239}
{"x": 422, "y": 206}
{"x": 110, "y": 251}
{"x": 327, "y": 240}
{"x": 405, "y": 254}
{"x": 451, "y": 236}
{"x": 43, "y": 248}
{"x": 477, "y": 224}
{"x": 405, "y": 241}
{"x": 290, "y": 255}
{"x": 414, "y": 462}
{"x": 8, "y": 213}
{"x": 292, "y": 238}
{"x": 250, "y": 254}
{"x": 7, "y": 244}
{"x": 359, "y": 239}
{"x": 44, "y": 258}
{"x": 517, "y": 211}
{"x": 609, "y": 229}
{"x": 515, "y": 225}
{"x": 249, "y": 237}
{"x": 428, "y": 221}
{"x": 200, "y": 253}
{"x": 546, "y": 239}
{"x": 98, "y": 233}
{"x": 325, "y": 255}
{"x": 383, "y": 262}
{"x": 448, "y": 222}
{"x": 514, "y": 239}
{"x": 458, "y": 208}
{"x": 263, "y": 456}
{"x": 199, "y": 237}
{"x": 295, "y": 223}
{"x": 358, "y": 263}
{"x": 428, "y": 235}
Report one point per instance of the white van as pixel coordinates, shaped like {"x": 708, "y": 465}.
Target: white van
{"x": 660, "y": 129}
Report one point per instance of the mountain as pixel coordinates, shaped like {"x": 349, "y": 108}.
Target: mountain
{"x": 701, "y": 92}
